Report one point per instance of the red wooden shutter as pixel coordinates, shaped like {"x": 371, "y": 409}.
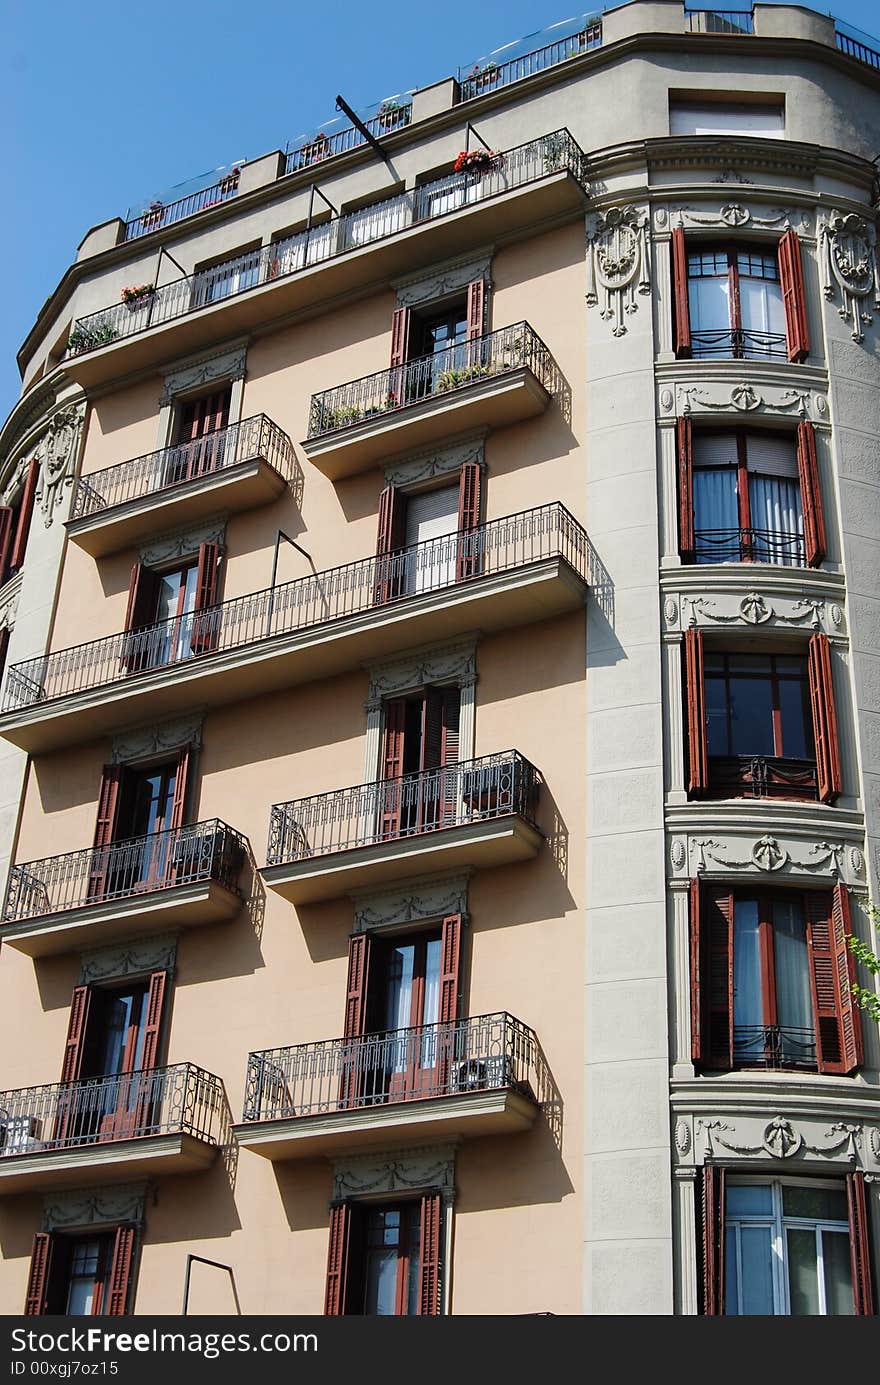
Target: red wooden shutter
{"x": 685, "y": 439}
{"x": 25, "y": 515}
{"x": 811, "y": 494}
{"x": 6, "y": 515}
{"x": 469, "y": 510}
{"x": 680, "y": 294}
{"x": 716, "y": 977}
{"x": 713, "y": 1240}
{"x": 206, "y": 627}
{"x": 392, "y": 768}
{"x": 391, "y": 537}
{"x": 859, "y": 1245}
{"x": 119, "y": 1280}
{"x": 828, "y": 768}
{"x": 178, "y": 807}
{"x": 696, "y": 950}
{"x": 36, "y": 1302}
{"x": 400, "y": 324}
{"x": 143, "y": 593}
{"x": 153, "y": 1023}
{"x": 4, "y": 648}
{"x": 80, "y": 1003}
{"x": 337, "y": 1260}
{"x": 698, "y": 761}
{"x": 450, "y": 715}
{"x": 359, "y": 947}
{"x": 791, "y": 280}
{"x": 837, "y": 1019}
{"x": 476, "y": 308}
{"x": 429, "y": 1236}
{"x": 450, "y": 966}
{"x": 106, "y": 828}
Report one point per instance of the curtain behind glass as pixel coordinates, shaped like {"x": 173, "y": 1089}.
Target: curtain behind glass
{"x": 716, "y": 516}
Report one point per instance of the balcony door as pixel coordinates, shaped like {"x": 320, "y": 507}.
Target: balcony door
{"x": 200, "y": 440}
{"x": 438, "y": 342}
{"x": 747, "y": 499}
{"x": 147, "y": 809}
{"x": 419, "y": 790}
{"x": 759, "y": 725}
{"x": 735, "y": 303}
{"x": 432, "y": 520}
{"x": 408, "y": 982}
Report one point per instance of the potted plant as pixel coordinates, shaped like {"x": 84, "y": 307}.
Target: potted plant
{"x": 229, "y": 182}
{"x": 139, "y": 297}
{"x": 153, "y": 216}
{"x": 389, "y": 114}
{"x": 317, "y": 148}
{"x": 89, "y": 338}
{"x": 483, "y": 77}
{"x": 477, "y": 161}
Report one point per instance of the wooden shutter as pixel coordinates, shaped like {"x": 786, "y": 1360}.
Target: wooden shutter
{"x": 450, "y": 968}
{"x": 25, "y": 515}
{"x": 36, "y": 1303}
{"x": 680, "y": 294}
{"x": 6, "y": 517}
{"x": 337, "y": 1259}
{"x": 791, "y": 279}
{"x": 476, "y": 308}
{"x": 859, "y": 1244}
{"x": 715, "y": 958}
{"x": 153, "y": 1023}
{"x": 695, "y": 897}
{"x": 469, "y": 512}
{"x": 206, "y": 627}
{"x": 106, "y": 827}
{"x": 392, "y": 767}
{"x": 4, "y": 648}
{"x": 391, "y": 537}
{"x": 837, "y": 1019}
{"x": 713, "y": 1240}
{"x": 811, "y": 494}
{"x": 119, "y": 1278}
{"x": 143, "y": 595}
{"x": 828, "y": 768}
{"x": 400, "y": 327}
{"x": 80, "y": 1004}
{"x": 429, "y": 1237}
{"x": 357, "y": 985}
{"x": 178, "y": 807}
{"x": 450, "y": 715}
{"x": 684, "y": 434}
{"x": 695, "y": 697}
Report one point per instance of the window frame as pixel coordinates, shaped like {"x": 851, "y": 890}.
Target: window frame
{"x": 734, "y": 250}
{"x": 770, "y": 539}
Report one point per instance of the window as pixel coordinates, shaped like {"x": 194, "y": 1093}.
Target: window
{"x": 87, "y": 1275}
{"x": 198, "y": 448}
{"x": 377, "y": 220}
{"x": 222, "y": 280}
{"x": 82, "y": 1275}
{"x": 739, "y": 300}
{"x": 384, "y": 1260}
{"x": 761, "y": 724}
{"x": 306, "y": 247}
{"x": 15, "y": 524}
{"x": 431, "y": 521}
{"x": 429, "y": 539}
{"x": 770, "y": 982}
{"x": 421, "y": 735}
{"x": 163, "y": 623}
{"x": 787, "y": 1249}
{"x": 390, "y": 1286}
{"x": 137, "y": 810}
{"x": 723, "y": 118}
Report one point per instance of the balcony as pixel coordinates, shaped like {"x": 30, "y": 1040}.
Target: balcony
{"x": 233, "y": 469}
{"x": 509, "y": 572}
{"x": 494, "y": 380}
{"x": 782, "y": 547}
{"x": 391, "y": 116}
{"x": 183, "y": 878}
{"x": 738, "y": 343}
{"x": 475, "y": 813}
{"x": 491, "y": 76}
{"x": 464, "y": 1080}
{"x": 762, "y": 776}
{"x": 161, "y": 1121}
{"x": 447, "y": 216}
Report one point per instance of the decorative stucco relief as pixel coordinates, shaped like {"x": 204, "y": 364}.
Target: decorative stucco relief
{"x": 395, "y": 1171}
{"x": 745, "y": 398}
{"x": 94, "y": 1207}
{"x": 850, "y": 270}
{"x": 57, "y": 454}
{"x": 448, "y": 663}
{"x": 781, "y": 1139}
{"x": 445, "y": 279}
{"x": 183, "y": 543}
{"x": 135, "y": 958}
{"x": 226, "y": 365}
{"x": 436, "y": 461}
{"x": 735, "y": 216}
{"x": 768, "y": 855}
{"x": 618, "y": 264}
{"x": 145, "y": 741}
{"x": 803, "y": 851}
{"x": 9, "y": 594}
{"x": 753, "y": 609}
{"x": 416, "y": 901}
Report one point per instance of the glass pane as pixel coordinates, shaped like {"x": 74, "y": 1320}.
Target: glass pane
{"x": 819, "y": 1204}
{"x": 797, "y": 722}
{"x": 380, "y": 1299}
{"x": 716, "y": 516}
{"x": 709, "y": 303}
{"x": 749, "y": 1199}
{"x": 717, "y": 737}
{"x": 760, "y": 302}
{"x": 398, "y": 1001}
{"x": 413, "y": 1286}
{"x": 751, "y": 717}
{"x": 115, "y": 1034}
{"x": 757, "y": 1270}
{"x": 837, "y": 1274}
{"x": 432, "y": 982}
{"x": 731, "y": 1275}
{"x": 794, "y": 1004}
{"x": 803, "y": 1277}
{"x": 81, "y": 1298}
{"x": 775, "y": 511}
{"x": 748, "y": 1014}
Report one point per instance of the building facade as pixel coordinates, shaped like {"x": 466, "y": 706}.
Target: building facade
{"x": 440, "y": 707}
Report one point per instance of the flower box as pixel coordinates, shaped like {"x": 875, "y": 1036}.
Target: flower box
{"x": 139, "y": 297}
{"x": 478, "y": 161}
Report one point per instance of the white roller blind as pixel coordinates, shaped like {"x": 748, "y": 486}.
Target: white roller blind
{"x": 771, "y": 456}
{"x": 431, "y": 515}
{"x": 691, "y": 118}
{"x": 715, "y": 449}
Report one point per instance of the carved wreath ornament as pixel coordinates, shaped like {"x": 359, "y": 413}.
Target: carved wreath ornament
{"x": 849, "y": 268}
{"x": 618, "y": 267}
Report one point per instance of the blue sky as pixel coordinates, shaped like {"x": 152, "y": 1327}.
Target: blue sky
{"x": 104, "y": 104}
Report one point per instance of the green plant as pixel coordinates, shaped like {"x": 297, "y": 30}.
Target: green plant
{"x": 88, "y": 338}
{"x": 867, "y": 998}
{"x": 451, "y": 379}
{"x": 553, "y": 153}
{"x": 340, "y": 418}
{"x": 133, "y": 298}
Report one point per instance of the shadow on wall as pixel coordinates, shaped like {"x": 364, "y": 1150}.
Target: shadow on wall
{"x": 306, "y": 1186}
{"x": 20, "y": 1218}
{"x": 193, "y": 1207}
{"x": 526, "y": 1171}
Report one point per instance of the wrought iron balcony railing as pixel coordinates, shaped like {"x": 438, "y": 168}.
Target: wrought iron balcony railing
{"x": 762, "y": 776}
{"x": 186, "y": 461}
{"x": 177, "y": 1100}
{"x": 773, "y": 1046}
{"x": 322, "y": 146}
{"x": 390, "y": 810}
{"x": 470, "y": 363}
{"x": 205, "y": 851}
{"x": 779, "y": 546}
{"x": 527, "y": 163}
{"x": 165, "y": 214}
{"x": 485, "y": 1054}
{"x": 502, "y": 545}
{"x": 490, "y": 75}
{"x": 740, "y": 343}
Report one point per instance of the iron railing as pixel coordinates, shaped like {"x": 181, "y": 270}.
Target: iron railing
{"x": 471, "y": 363}
{"x": 773, "y": 1046}
{"x": 502, "y": 545}
{"x": 162, "y": 214}
{"x": 553, "y": 153}
{"x": 322, "y": 146}
{"x": 854, "y": 49}
{"x": 739, "y": 342}
{"x": 762, "y": 776}
{"x": 484, "y": 1054}
{"x": 492, "y": 75}
{"x": 177, "y": 1100}
{"x": 779, "y": 546}
{"x": 204, "y": 851}
{"x": 388, "y": 810}
{"x": 720, "y": 21}
{"x": 170, "y": 467}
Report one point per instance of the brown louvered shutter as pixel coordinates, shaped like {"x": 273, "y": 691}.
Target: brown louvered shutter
{"x": 450, "y": 967}
{"x": 106, "y": 827}
{"x": 181, "y": 785}
{"x": 429, "y": 1238}
{"x": 811, "y": 494}
{"x": 153, "y": 1023}
{"x": 25, "y": 515}
{"x": 716, "y": 976}
{"x": 680, "y": 294}
{"x": 476, "y": 308}
{"x": 400, "y": 325}
{"x": 695, "y": 699}
{"x": 838, "y": 1024}
{"x": 392, "y": 768}
{"x": 859, "y": 1245}
{"x": 143, "y": 595}
{"x": 4, "y": 648}
{"x": 355, "y": 1020}
{"x": 791, "y": 279}
{"x": 450, "y": 715}
{"x": 390, "y": 537}
{"x": 6, "y": 516}
{"x": 713, "y": 1240}
{"x": 119, "y": 1280}
{"x": 695, "y": 899}
{"x": 469, "y": 511}
{"x": 337, "y": 1260}
{"x": 206, "y": 621}
{"x": 828, "y": 768}
{"x": 684, "y": 435}
{"x": 36, "y": 1303}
